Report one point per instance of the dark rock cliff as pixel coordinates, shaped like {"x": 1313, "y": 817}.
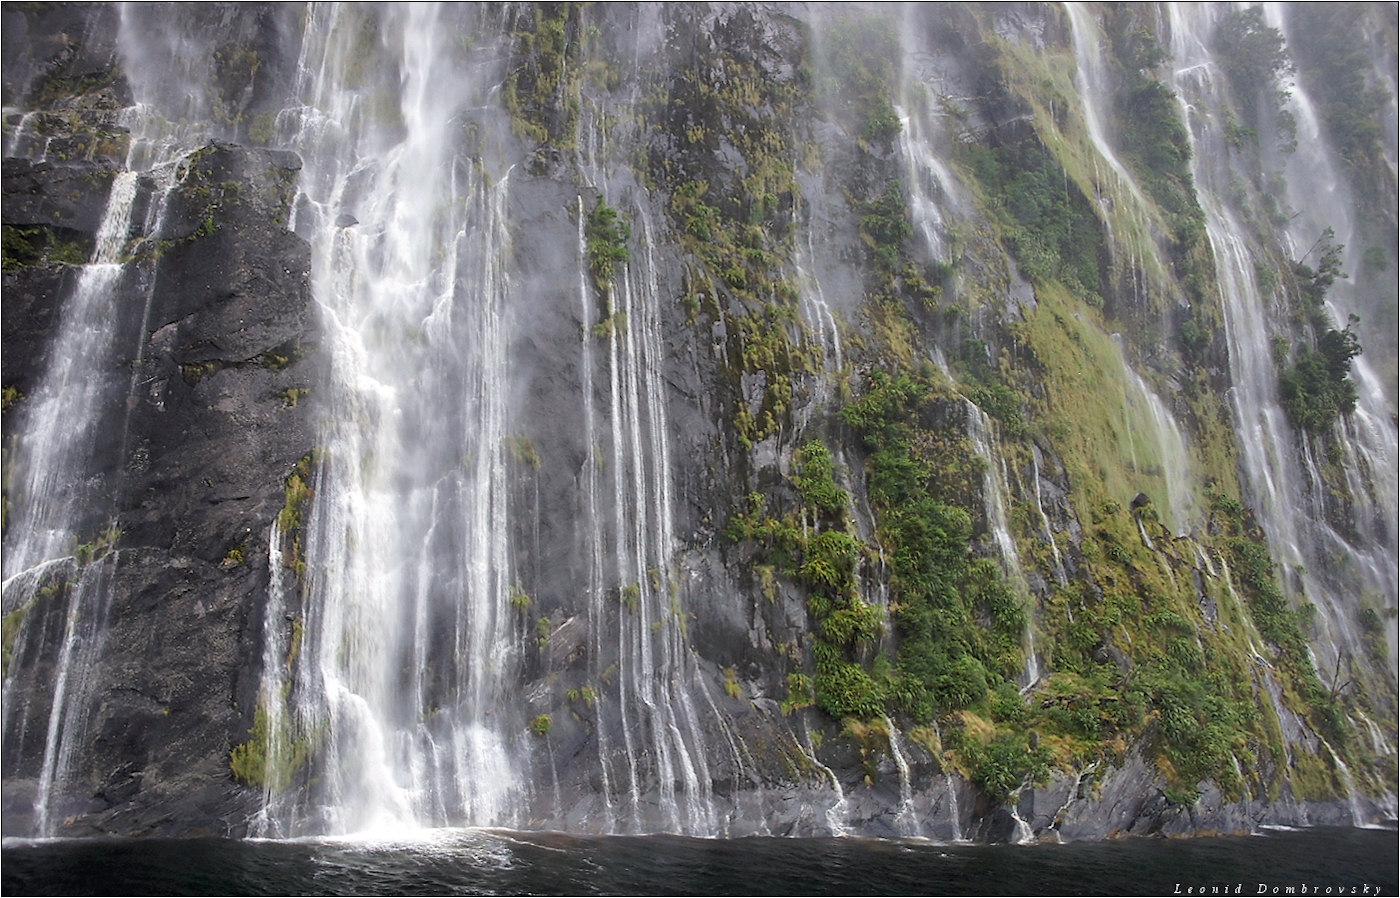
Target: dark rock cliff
{"x": 962, "y": 540}
{"x": 214, "y": 345}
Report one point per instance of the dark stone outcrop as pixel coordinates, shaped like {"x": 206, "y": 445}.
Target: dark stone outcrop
{"x": 218, "y": 423}
{"x": 216, "y": 346}
{"x": 210, "y": 406}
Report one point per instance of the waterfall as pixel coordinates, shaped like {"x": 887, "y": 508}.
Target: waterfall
{"x": 1024, "y": 834}
{"x": 1142, "y": 403}
{"x": 63, "y": 519}
{"x": 994, "y": 490}
{"x": 25, "y": 140}
{"x": 73, "y": 433}
{"x": 1091, "y": 79}
{"x": 1061, "y": 577}
{"x": 1318, "y": 187}
{"x": 835, "y": 815}
{"x": 1358, "y": 815}
{"x": 520, "y": 504}
{"x": 951, "y": 787}
{"x": 1275, "y": 475}
{"x": 391, "y": 650}
{"x": 660, "y": 725}
{"x": 1143, "y": 409}
{"x": 408, "y": 638}
{"x": 928, "y": 180}
{"x": 905, "y": 819}
{"x": 589, "y": 476}
{"x": 278, "y": 663}
{"x": 816, "y": 311}
{"x": 1129, "y": 219}
{"x": 59, "y": 434}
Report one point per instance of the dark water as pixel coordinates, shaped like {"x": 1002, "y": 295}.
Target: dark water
{"x": 476, "y": 862}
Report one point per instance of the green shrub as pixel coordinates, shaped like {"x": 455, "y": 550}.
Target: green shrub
{"x": 960, "y": 683}
{"x": 271, "y": 757}
{"x": 845, "y": 689}
{"x": 1253, "y": 57}
{"x": 801, "y": 693}
{"x": 1318, "y": 387}
{"x": 605, "y": 237}
{"x": 1051, "y": 230}
{"x": 22, "y": 246}
{"x": 885, "y": 224}
{"x": 829, "y": 561}
{"x": 1331, "y": 44}
{"x": 815, "y": 479}
{"x": 853, "y": 622}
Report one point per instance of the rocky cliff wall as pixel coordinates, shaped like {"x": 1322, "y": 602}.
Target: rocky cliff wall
{"x": 856, "y": 456}
{"x": 211, "y": 345}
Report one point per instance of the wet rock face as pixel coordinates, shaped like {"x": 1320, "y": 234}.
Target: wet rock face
{"x": 230, "y": 331}
{"x": 222, "y": 415}
{"x": 50, "y": 47}
{"x": 212, "y": 402}
{"x": 216, "y": 344}
{"x": 33, "y": 298}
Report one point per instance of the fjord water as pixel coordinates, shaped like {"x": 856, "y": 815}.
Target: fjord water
{"x": 408, "y": 624}
{"x": 493, "y": 862}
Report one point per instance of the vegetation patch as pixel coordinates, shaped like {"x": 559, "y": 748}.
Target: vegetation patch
{"x": 298, "y": 495}
{"x": 9, "y": 630}
{"x": 1317, "y": 387}
{"x": 542, "y": 89}
{"x": 40, "y": 244}
{"x": 1255, "y": 62}
{"x": 273, "y": 753}
{"x": 606, "y": 236}
{"x": 1053, "y": 232}
{"x": 724, "y": 151}
{"x": 1331, "y": 46}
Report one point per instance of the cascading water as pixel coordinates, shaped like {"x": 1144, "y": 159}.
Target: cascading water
{"x": 53, "y": 448}
{"x": 1091, "y": 79}
{"x": 994, "y": 492}
{"x": 905, "y": 818}
{"x": 73, "y": 435}
{"x": 1123, "y": 208}
{"x": 409, "y": 563}
{"x": 1274, "y": 473}
{"x": 59, "y": 534}
{"x": 816, "y": 311}
{"x": 1315, "y": 179}
{"x": 276, "y": 686}
{"x": 658, "y": 714}
{"x": 929, "y": 181}
{"x": 1061, "y": 577}
{"x": 1144, "y": 410}
{"x": 930, "y": 192}
{"x": 495, "y": 420}
{"x": 407, "y": 627}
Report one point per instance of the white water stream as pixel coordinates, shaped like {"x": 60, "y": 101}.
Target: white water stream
{"x": 660, "y": 722}
{"x": 981, "y": 432}
{"x": 408, "y": 633}
{"x": 62, "y": 515}
{"x": 408, "y": 650}
{"x": 1280, "y": 482}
